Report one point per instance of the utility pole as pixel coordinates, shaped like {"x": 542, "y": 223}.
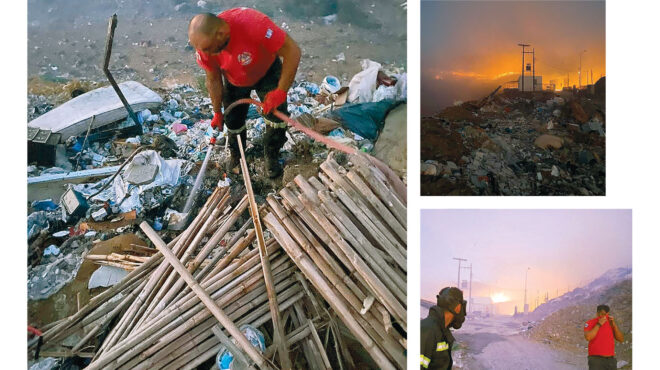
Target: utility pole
{"x": 525, "y": 306}
{"x": 470, "y": 286}
{"x": 458, "y": 282}
{"x": 533, "y": 71}
{"x": 522, "y": 75}
{"x": 580, "y": 72}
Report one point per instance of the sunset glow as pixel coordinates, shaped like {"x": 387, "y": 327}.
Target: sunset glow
{"x": 468, "y": 48}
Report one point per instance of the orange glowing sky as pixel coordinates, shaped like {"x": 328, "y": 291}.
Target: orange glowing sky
{"x": 476, "y": 42}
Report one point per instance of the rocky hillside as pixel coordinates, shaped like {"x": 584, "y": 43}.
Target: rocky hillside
{"x": 563, "y": 328}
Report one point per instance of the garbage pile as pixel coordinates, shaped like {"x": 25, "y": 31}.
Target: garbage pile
{"x": 112, "y": 182}
{"x": 516, "y": 143}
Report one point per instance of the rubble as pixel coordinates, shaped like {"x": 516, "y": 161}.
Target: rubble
{"x": 514, "y": 143}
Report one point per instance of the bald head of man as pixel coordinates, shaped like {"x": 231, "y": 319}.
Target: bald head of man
{"x": 208, "y": 33}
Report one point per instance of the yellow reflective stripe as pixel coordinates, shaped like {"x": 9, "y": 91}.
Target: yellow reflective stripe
{"x": 236, "y": 130}
{"x": 425, "y": 361}
{"x": 275, "y": 124}
{"x": 442, "y": 346}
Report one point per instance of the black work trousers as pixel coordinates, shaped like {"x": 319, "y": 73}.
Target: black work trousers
{"x": 274, "y": 137}
{"x": 602, "y": 363}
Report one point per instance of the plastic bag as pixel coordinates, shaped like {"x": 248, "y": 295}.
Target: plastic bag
{"x": 363, "y": 84}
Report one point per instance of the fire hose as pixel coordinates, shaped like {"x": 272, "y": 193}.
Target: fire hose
{"x": 400, "y": 187}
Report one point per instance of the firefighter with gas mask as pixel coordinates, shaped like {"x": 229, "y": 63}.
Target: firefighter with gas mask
{"x": 436, "y": 339}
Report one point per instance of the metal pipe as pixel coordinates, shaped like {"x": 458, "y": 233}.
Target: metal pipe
{"x": 198, "y": 180}
{"x": 112, "y": 24}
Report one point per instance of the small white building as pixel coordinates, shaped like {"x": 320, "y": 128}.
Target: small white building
{"x": 484, "y": 305}
{"x": 529, "y": 81}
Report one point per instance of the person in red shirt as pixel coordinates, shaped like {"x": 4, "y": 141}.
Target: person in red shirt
{"x": 243, "y": 47}
{"x": 601, "y": 332}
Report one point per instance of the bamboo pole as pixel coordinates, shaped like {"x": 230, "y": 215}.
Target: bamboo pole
{"x": 108, "y": 317}
{"x": 315, "y": 341}
{"x": 174, "y": 316}
{"x": 280, "y": 339}
{"x": 205, "y": 298}
{"x": 182, "y": 354}
{"x": 200, "y": 314}
{"x": 237, "y": 236}
{"x": 116, "y": 257}
{"x": 374, "y": 201}
{"x": 310, "y": 353}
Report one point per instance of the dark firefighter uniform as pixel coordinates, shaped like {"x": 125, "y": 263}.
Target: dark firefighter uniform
{"x": 436, "y": 341}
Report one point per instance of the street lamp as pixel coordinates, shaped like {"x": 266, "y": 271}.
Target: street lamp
{"x": 522, "y": 72}
{"x": 580, "y": 74}
{"x": 525, "y": 307}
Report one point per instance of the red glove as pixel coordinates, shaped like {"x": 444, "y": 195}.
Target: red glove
{"x": 273, "y": 100}
{"x": 216, "y": 122}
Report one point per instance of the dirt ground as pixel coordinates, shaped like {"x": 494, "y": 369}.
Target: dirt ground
{"x": 66, "y": 39}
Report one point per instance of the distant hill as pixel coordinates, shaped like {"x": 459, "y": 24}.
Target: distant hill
{"x": 577, "y": 295}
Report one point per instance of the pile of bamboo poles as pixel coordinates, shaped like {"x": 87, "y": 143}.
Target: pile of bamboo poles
{"x": 166, "y": 312}
{"x": 346, "y": 232}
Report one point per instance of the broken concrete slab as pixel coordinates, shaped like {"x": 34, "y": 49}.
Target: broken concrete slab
{"x": 137, "y": 174}
{"x": 106, "y": 276}
{"x": 73, "y": 117}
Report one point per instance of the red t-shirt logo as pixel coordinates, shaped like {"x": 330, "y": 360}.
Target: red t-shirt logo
{"x": 245, "y": 58}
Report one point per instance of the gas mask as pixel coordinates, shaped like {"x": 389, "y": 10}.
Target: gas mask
{"x": 448, "y": 299}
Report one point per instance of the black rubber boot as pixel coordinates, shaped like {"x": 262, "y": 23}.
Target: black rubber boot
{"x": 274, "y": 139}
{"x": 273, "y": 167}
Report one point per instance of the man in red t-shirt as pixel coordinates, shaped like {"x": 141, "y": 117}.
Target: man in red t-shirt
{"x": 243, "y": 47}
{"x": 601, "y": 332}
